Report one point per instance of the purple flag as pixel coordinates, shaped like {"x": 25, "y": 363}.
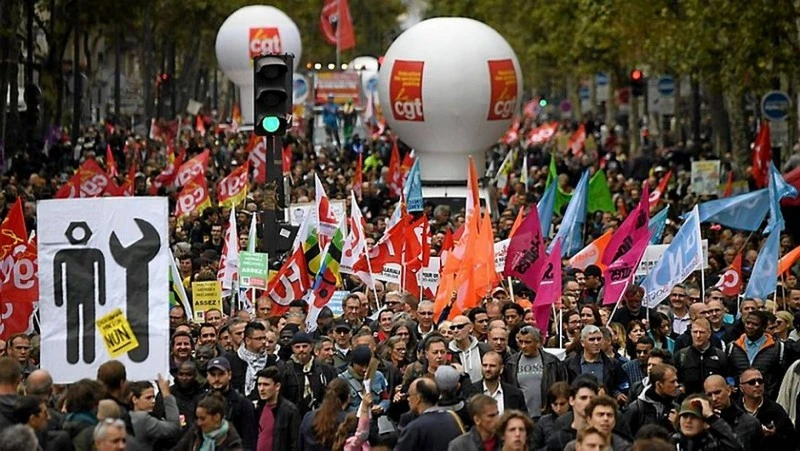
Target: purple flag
{"x": 525, "y": 254}
{"x": 619, "y": 274}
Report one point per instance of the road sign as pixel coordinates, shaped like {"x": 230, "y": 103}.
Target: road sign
{"x": 584, "y": 92}
{"x": 775, "y": 105}
{"x": 601, "y": 82}
{"x": 666, "y": 86}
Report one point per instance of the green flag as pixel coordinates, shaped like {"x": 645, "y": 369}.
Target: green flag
{"x": 599, "y": 194}
{"x": 562, "y": 198}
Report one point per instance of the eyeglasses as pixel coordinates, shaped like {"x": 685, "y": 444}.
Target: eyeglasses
{"x": 458, "y": 326}
{"x": 425, "y": 313}
{"x": 752, "y": 382}
{"x": 642, "y": 351}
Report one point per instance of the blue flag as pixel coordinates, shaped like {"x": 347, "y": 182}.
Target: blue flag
{"x": 545, "y": 209}
{"x": 657, "y": 225}
{"x": 764, "y": 277}
{"x": 683, "y": 255}
{"x": 413, "y": 189}
{"x": 778, "y": 189}
{"x": 742, "y": 212}
{"x": 571, "y": 230}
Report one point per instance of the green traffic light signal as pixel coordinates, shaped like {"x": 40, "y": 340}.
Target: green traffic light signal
{"x": 543, "y": 103}
{"x": 271, "y": 124}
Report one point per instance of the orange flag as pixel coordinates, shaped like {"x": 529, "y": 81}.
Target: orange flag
{"x": 517, "y": 222}
{"x": 592, "y": 253}
{"x": 729, "y": 185}
{"x": 786, "y": 262}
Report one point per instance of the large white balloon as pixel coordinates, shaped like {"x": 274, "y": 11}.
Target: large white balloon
{"x": 450, "y": 87}
{"x": 249, "y": 32}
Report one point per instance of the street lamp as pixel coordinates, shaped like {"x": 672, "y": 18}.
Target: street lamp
{"x": 317, "y": 66}
{"x": 331, "y": 66}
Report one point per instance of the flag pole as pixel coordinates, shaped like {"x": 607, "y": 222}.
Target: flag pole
{"x": 511, "y": 289}
{"x": 561, "y": 328}
{"x": 338, "y": 49}
{"x": 372, "y": 278}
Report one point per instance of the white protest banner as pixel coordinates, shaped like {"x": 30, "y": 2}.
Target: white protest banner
{"x": 500, "y": 252}
{"x": 653, "y": 254}
{"x": 705, "y": 177}
{"x": 428, "y": 277}
{"x": 97, "y": 256}
{"x": 298, "y": 212}
{"x": 391, "y": 273}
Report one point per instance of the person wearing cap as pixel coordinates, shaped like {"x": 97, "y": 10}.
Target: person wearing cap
{"x": 239, "y": 410}
{"x": 341, "y": 339}
{"x": 305, "y": 378}
{"x": 501, "y": 295}
{"x": 699, "y": 428}
{"x": 356, "y": 374}
{"x": 450, "y": 381}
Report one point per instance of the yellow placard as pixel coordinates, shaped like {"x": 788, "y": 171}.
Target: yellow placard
{"x": 118, "y": 337}
{"x": 205, "y": 296}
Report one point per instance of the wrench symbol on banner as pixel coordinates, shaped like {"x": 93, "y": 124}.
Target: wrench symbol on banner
{"x": 135, "y": 259}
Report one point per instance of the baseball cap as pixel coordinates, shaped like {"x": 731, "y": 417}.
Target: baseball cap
{"x": 499, "y": 290}
{"x": 446, "y": 378}
{"x": 691, "y": 407}
{"x": 361, "y": 355}
{"x": 341, "y": 323}
{"x": 220, "y": 363}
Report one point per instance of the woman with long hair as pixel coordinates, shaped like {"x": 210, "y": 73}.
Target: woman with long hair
{"x": 660, "y": 329}
{"x": 590, "y": 315}
{"x": 211, "y": 430}
{"x": 353, "y": 433}
{"x": 557, "y": 405}
{"x": 319, "y": 427}
{"x": 146, "y": 428}
{"x": 404, "y": 330}
{"x": 394, "y": 350}
{"x": 619, "y": 340}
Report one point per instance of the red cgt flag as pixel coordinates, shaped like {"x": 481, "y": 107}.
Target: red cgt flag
{"x": 337, "y": 25}
{"x": 762, "y": 154}
{"x": 730, "y": 281}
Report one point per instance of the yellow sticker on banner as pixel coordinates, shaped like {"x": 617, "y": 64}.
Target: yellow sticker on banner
{"x": 118, "y": 337}
{"x": 205, "y": 296}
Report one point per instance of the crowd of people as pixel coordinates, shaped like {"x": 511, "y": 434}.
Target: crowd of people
{"x": 702, "y": 371}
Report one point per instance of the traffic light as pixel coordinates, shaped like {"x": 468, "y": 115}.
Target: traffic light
{"x": 273, "y": 94}
{"x": 542, "y": 102}
{"x": 637, "y": 83}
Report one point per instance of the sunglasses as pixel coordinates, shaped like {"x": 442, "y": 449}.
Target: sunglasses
{"x": 458, "y": 326}
{"x": 752, "y": 382}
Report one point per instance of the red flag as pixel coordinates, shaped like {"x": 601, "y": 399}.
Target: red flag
{"x": 192, "y": 168}
{"x": 111, "y": 165}
{"x": 232, "y": 190}
{"x": 512, "y": 134}
{"x": 18, "y": 259}
{"x": 541, "y": 135}
{"x": 358, "y": 178}
{"x": 290, "y": 283}
{"x": 730, "y": 282}
{"x": 89, "y": 181}
{"x": 168, "y": 175}
{"x": 257, "y": 157}
{"x": 577, "y": 140}
{"x": 655, "y": 196}
{"x": 729, "y": 185}
{"x": 12, "y": 230}
{"x": 387, "y": 250}
{"x": 395, "y": 176}
{"x": 193, "y": 197}
{"x": 336, "y": 24}
{"x": 199, "y": 125}
{"x": 286, "y": 155}
{"x": 405, "y": 166}
{"x": 762, "y": 155}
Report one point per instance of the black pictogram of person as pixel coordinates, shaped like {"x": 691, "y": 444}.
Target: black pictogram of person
{"x": 81, "y": 272}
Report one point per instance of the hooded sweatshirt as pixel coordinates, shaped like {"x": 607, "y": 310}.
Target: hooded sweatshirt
{"x": 470, "y": 359}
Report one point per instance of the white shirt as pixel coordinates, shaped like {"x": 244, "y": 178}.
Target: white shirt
{"x": 680, "y": 323}
{"x": 497, "y": 396}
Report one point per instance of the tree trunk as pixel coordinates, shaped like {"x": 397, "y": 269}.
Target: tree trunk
{"x": 740, "y": 146}
{"x": 720, "y": 127}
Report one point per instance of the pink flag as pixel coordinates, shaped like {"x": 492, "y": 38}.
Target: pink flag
{"x": 549, "y": 289}
{"x": 526, "y": 255}
{"x": 630, "y": 232}
{"x": 542, "y": 316}
{"x": 619, "y": 274}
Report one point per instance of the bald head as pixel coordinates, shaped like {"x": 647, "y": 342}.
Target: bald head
{"x": 108, "y": 408}
{"x": 39, "y": 384}
{"x": 718, "y": 392}
{"x": 697, "y": 310}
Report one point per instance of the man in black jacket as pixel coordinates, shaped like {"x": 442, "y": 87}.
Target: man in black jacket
{"x": 280, "y": 425}
{"x": 747, "y": 428}
{"x": 187, "y": 392}
{"x": 700, "y": 360}
{"x": 768, "y": 354}
{"x": 249, "y": 358}
{"x": 433, "y": 429}
{"x": 775, "y": 422}
{"x": 592, "y": 361}
{"x": 507, "y": 396}
{"x": 305, "y": 378}
{"x": 656, "y": 404}
{"x": 533, "y": 370}
{"x": 239, "y": 411}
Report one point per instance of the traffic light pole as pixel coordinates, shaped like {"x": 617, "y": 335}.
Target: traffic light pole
{"x": 274, "y": 196}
